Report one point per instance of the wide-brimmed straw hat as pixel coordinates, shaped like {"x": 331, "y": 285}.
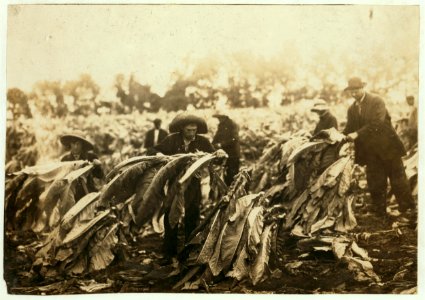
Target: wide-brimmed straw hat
{"x": 320, "y": 105}
{"x": 355, "y": 83}
{"x": 78, "y": 135}
{"x": 183, "y": 119}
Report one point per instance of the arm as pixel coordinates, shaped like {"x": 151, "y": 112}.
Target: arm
{"x": 97, "y": 170}
{"x": 349, "y": 127}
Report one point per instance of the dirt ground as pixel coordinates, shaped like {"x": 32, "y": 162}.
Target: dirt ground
{"x": 136, "y": 269}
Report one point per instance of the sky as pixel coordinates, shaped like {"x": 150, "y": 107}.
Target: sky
{"x": 59, "y": 42}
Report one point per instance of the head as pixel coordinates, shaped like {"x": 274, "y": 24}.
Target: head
{"x": 76, "y": 142}
{"x": 355, "y": 88}
{"x": 220, "y": 117}
{"x": 189, "y": 131}
{"x": 76, "y": 146}
{"x": 157, "y": 123}
{"x": 320, "y": 107}
{"x": 410, "y": 100}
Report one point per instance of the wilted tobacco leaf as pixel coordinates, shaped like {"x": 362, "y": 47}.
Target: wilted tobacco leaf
{"x": 80, "y": 229}
{"x": 51, "y": 171}
{"x": 124, "y": 185}
{"x": 165, "y": 173}
{"x": 101, "y": 254}
{"x": 176, "y": 209}
{"x": 255, "y": 223}
{"x": 78, "y": 207}
{"x": 233, "y": 232}
{"x": 301, "y": 150}
{"x": 119, "y": 168}
{"x": 209, "y": 244}
{"x": 240, "y": 269}
{"x": 144, "y": 208}
{"x": 194, "y": 167}
{"x": 296, "y": 205}
{"x": 259, "y": 268}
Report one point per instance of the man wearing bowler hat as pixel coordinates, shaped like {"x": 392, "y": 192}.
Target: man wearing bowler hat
{"x": 81, "y": 149}
{"x": 378, "y": 147}
{"x": 184, "y": 137}
{"x": 227, "y": 138}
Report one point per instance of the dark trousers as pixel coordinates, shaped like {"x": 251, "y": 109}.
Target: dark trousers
{"x": 232, "y": 168}
{"x": 193, "y": 198}
{"x": 378, "y": 172}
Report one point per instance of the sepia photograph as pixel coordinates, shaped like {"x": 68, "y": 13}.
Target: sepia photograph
{"x": 211, "y": 148}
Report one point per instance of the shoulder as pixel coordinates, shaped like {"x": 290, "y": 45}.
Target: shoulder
{"x": 91, "y": 155}
{"x": 374, "y": 99}
{"x": 202, "y": 138}
{"x": 172, "y": 137}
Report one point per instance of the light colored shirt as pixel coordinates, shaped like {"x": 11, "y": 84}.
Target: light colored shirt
{"x": 155, "y": 136}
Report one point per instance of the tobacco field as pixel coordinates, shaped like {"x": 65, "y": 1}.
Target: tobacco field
{"x": 295, "y": 220}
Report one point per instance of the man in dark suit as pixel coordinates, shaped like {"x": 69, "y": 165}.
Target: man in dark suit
{"x": 327, "y": 119}
{"x": 81, "y": 149}
{"x": 227, "y": 138}
{"x": 155, "y": 135}
{"x": 378, "y": 147}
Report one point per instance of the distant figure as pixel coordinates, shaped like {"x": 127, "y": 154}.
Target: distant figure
{"x": 155, "y": 135}
{"x": 81, "y": 149}
{"x": 227, "y": 138}
{"x": 327, "y": 120}
{"x": 412, "y": 123}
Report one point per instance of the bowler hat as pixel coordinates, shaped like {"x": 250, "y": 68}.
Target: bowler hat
{"x": 354, "y": 83}
{"x": 66, "y": 139}
{"x": 183, "y": 119}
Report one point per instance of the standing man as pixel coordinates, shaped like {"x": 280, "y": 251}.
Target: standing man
{"x": 81, "y": 149}
{"x": 327, "y": 120}
{"x": 227, "y": 138}
{"x": 412, "y": 122}
{"x": 378, "y": 147}
{"x": 155, "y": 135}
{"x": 184, "y": 138}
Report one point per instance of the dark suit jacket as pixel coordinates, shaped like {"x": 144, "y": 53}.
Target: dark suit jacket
{"x": 150, "y": 136}
{"x": 174, "y": 144}
{"x": 327, "y": 120}
{"x": 228, "y": 136}
{"x": 376, "y": 135}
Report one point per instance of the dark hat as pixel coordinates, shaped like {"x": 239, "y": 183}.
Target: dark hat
{"x": 66, "y": 139}
{"x": 354, "y": 83}
{"x": 183, "y": 119}
{"x": 218, "y": 116}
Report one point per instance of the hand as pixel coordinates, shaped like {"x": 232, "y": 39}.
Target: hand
{"x": 97, "y": 162}
{"x": 221, "y": 153}
{"x": 159, "y": 154}
{"x": 351, "y": 137}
